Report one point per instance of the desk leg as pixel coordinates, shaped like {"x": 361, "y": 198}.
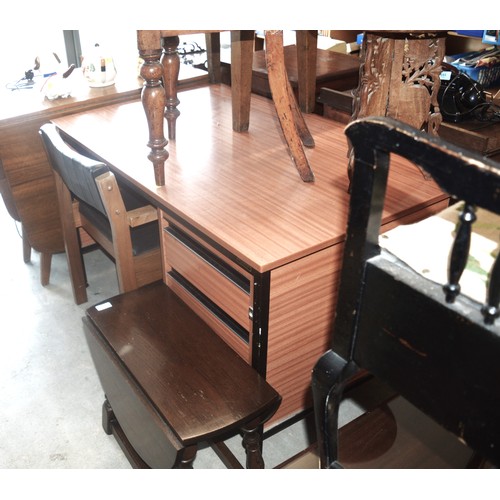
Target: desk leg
{"x": 153, "y": 100}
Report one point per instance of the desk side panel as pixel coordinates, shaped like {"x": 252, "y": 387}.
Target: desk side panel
{"x": 302, "y": 303}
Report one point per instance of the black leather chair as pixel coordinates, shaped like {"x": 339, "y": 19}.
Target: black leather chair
{"x": 115, "y": 216}
{"x": 436, "y": 347}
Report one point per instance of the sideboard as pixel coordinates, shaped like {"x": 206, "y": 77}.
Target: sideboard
{"x": 27, "y": 170}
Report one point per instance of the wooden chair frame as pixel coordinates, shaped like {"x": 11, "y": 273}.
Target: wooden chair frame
{"x": 133, "y": 271}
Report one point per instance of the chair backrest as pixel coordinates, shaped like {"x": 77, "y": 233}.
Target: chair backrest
{"x": 77, "y": 171}
{"x": 436, "y": 347}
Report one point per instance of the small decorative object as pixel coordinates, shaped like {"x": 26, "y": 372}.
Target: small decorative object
{"x": 99, "y": 68}
{"x": 58, "y": 85}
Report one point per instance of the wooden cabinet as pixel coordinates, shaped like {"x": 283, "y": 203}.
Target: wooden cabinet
{"x": 253, "y": 249}
{"x": 21, "y": 151}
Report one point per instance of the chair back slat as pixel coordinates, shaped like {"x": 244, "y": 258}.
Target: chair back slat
{"x": 459, "y": 253}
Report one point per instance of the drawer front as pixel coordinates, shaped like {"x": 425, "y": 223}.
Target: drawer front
{"x": 207, "y": 276}
{"x": 234, "y": 335}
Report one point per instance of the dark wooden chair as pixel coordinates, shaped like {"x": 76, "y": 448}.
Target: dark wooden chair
{"x": 171, "y": 383}
{"x": 431, "y": 344}
{"x": 90, "y": 200}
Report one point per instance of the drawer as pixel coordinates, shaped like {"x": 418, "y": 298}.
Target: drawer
{"x": 207, "y": 276}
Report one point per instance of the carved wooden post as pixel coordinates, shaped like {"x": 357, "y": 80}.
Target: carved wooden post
{"x": 491, "y": 310}
{"x": 153, "y": 100}
{"x": 459, "y": 253}
{"x": 399, "y": 78}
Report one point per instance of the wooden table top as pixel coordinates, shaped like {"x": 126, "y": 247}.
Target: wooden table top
{"x": 242, "y": 189}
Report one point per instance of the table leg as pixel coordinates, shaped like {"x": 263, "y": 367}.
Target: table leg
{"x": 242, "y": 43}
{"x": 171, "y": 65}
{"x": 307, "y": 44}
{"x": 153, "y": 100}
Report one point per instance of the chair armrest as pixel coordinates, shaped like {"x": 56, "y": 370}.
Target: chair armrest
{"x": 142, "y": 215}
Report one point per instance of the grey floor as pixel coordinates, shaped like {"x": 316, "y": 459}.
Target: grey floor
{"x": 50, "y": 396}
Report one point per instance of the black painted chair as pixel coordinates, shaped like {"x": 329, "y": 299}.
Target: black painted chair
{"x": 433, "y": 345}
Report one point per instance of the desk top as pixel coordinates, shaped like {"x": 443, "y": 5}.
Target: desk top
{"x": 242, "y": 189}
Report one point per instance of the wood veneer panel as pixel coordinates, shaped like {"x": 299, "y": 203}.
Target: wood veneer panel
{"x": 208, "y": 279}
{"x": 241, "y": 347}
{"x": 303, "y": 296}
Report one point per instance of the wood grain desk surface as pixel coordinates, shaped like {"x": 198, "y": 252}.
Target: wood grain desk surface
{"x": 241, "y": 189}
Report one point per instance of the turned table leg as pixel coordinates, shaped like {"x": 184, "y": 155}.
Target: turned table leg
{"x": 171, "y": 66}
{"x": 252, "y": 442}
{"x": 153, "y": 100}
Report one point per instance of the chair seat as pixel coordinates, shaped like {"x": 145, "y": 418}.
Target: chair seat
{"x": 193, "y": 381}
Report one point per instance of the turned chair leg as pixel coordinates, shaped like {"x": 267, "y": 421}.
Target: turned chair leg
{"x": 252, "y": 442}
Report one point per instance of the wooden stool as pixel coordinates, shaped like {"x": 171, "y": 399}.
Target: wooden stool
{"x": 171, "y": 382}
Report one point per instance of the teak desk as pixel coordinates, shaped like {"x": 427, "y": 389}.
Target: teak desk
{"x": 246, "y": 243}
